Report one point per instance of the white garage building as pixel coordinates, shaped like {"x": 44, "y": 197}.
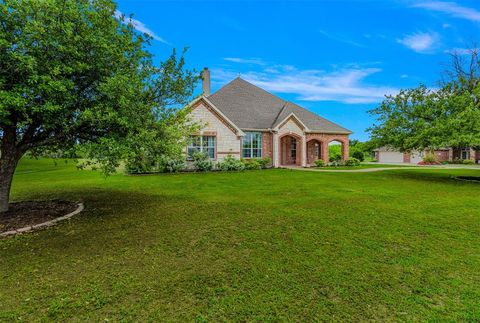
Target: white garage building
{"x": 388, "y": 155}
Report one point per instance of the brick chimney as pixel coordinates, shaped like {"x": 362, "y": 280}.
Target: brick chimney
{"x": 206, "y": 81}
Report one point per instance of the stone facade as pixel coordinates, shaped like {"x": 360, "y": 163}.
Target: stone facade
{"x": 227, "y": 141}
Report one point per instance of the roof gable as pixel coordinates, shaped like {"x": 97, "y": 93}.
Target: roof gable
{"x": 217, "y": 112}
{"x": 295, "y": 119}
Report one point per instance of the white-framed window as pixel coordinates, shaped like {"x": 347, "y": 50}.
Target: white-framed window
{"x": 465, "y": 153}
{"x": 252, "y": 145}
{"x": 205, "y": 144}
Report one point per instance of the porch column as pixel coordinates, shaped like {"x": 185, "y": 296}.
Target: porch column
{"x": 325, "y": 156}
{"x": 450, "y": 154}
{"x": 304, "y": 150}
{"x": 275, "y": 150}
{"x": 345, "y": 150}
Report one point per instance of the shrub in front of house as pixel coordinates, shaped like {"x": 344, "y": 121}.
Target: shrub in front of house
{"x": 230, "y": 164}
{"x": 201, "y": 162}
{"x": 251, "y": 164}
{"x": 319, "y": 163}
{"x": 172, "y": 165}
{"x": 468, "y": 162}
{"x": 265, "y": 162}
{"x": 351, "y": 162}
{"x": 337, "y": 163}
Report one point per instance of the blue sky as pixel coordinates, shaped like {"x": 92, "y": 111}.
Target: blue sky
{"x": 336, "y": 58}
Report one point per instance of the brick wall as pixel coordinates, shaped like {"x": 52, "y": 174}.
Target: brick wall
{"x": 267, "y": 144}
{"x": 325, "y": 139}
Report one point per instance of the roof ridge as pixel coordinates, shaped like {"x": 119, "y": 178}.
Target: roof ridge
{"x": 278, "y": 115}
{"x": 258, "y": 87}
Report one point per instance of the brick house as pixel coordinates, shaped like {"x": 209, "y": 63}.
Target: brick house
{"x": 389, "y": 155}
{"x": 245, "y": 121}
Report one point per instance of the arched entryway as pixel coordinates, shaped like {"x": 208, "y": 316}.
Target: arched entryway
{"x": 290, "y": 150}
{"x": 337, "y": 150}
{"x": 314, "y": 151}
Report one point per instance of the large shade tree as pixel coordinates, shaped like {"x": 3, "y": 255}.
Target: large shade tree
{"x": 422, "y": 118}
{"x": 74, "y": 72}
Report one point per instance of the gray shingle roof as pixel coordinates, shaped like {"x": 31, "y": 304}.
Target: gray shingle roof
{"x": 251, "y": 107}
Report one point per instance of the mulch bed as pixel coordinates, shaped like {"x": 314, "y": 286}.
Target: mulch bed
{"x": 22, "y": 214}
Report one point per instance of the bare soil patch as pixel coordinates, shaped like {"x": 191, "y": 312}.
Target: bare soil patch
{"x": 29, "y": 213}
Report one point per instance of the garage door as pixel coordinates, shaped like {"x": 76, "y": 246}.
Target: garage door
{"x": 390, "y": 157}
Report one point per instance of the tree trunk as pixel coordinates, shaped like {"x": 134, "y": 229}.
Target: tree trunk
{"x": 8, "y": 163}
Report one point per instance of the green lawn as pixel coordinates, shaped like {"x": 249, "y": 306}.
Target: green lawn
{"x": 268, "y": 245}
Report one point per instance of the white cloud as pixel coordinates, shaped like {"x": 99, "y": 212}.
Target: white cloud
{"x": 254, "y": 61}
{"x": 420, "y": 42}
{"x": 404, "y": 76}
{"x": 450, "y": 8}
{"x": 141, "y": 27}
{"x": 345, "y": 85}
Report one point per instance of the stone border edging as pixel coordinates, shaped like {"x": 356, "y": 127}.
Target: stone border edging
{"x": 44, "y": 224}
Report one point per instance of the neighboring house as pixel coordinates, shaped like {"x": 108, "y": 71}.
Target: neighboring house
{"x": 244, "y": 121}
{"x": 389, "y": 155}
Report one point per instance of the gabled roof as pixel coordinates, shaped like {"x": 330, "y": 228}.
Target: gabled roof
{"x": 219, "y": 114}
{"x": 251, "y": 107}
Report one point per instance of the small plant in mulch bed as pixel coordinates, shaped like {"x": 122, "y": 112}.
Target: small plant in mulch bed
{"x": 429, "y": 159}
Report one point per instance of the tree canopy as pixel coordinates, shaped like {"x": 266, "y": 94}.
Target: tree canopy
{"x": 72, "y": 72}
{"x": 422, "y": 118}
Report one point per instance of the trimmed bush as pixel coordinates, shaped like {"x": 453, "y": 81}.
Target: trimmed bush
{"x": 202, "y": 162}
{"x": 337, "y": 163}
{"x": 251, "y": 163}
{"x": 172, "y": 165}
{"x": 319, "y": 163}
{"x": 468, "y": 162}
{"x": 351, "y": 162}
{"x": 265, "y": 162}
{"x": 230, "y": 164}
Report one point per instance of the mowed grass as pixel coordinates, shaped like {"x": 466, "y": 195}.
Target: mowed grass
{"x": 269, "y": 245}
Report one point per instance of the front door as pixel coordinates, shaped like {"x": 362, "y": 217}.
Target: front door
{"x": 289, "y": 150}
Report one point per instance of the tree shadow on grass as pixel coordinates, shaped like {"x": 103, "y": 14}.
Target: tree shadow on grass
{"x": 443, "y": 176}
